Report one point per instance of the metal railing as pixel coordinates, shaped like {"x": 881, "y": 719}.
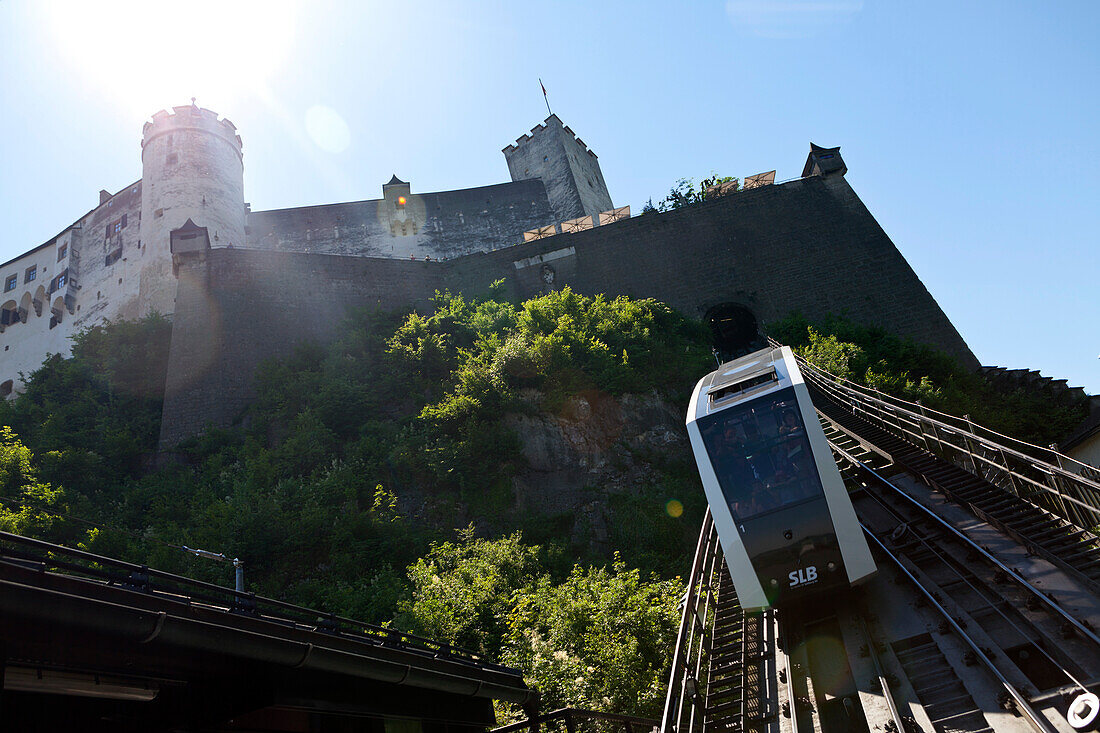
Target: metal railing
{"x": 1044, "y": 477}
{"x": 48, "y": 557}
{"x": 687, "y": 679}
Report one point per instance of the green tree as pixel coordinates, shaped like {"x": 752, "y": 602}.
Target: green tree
{"x": 685, "y": 192}
{"x": 599, "y": 640}
{"x": 27, "y": 506}
{"x": 98, "y": 412}
{"x": 463, "y": 592}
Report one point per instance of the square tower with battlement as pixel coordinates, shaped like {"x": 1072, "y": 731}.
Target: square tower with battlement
{"x": 570, "y": 171}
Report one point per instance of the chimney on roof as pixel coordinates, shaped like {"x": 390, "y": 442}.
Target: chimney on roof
{"x": 104, "y": 195}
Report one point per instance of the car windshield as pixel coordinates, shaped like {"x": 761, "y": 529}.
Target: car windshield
{"x": 761, "y": 454}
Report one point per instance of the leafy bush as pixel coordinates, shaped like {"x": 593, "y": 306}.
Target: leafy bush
{"x": 599, "y": 639}
{"x": 97, "y": 413}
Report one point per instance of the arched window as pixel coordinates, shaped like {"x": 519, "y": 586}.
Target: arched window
{"x": 57, "y": 311}
{"x": 9, "y": 314}
{"x": 6, "y": 388}
{"x": 39, "y": 301}
{"x": 25, "y": 307}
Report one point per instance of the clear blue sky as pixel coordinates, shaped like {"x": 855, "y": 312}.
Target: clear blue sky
{"x": 969, "y": 129}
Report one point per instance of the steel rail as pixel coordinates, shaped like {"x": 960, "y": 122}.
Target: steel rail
{"x": 846, "y": 386}
{"x": 1023, "y": 582}
{"x": 1037, "y": 721}
{"x": 843, "y": 386}
{"x": 988, "y": 594}
{"x": 671, "y": 715}
{"x": 886, "y": 694}
{"x": 1049, "y": 486}
{"x": 714, "y": 556}
{"x": 1072, "y": 496}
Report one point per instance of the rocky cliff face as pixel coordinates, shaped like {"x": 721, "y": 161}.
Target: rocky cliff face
{"x": 594, "y": 449}
{"x": 594, "y": 475}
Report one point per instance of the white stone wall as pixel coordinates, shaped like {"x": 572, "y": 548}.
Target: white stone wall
{"x": 103, "y": 263}
{"x": 107, "y": 261}
{"x": 23, "y": 345}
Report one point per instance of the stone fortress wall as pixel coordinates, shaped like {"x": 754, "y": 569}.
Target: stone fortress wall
{"x": 553, "y": 154}
{"x": 439, "y": 225}
{"x": 268, "y": 280}
{"x": 808, "y": 245}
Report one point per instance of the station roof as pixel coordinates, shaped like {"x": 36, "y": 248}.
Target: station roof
{"x": 118, "y": 646}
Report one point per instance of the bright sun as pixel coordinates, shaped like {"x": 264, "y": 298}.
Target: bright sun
{"x": 146, "y": 54}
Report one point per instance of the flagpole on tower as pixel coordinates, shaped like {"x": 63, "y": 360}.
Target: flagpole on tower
{"x": 544, "y": 97}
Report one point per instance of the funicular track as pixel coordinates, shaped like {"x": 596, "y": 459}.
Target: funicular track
{"x": 1034, "y": 647}
{"x": 718, "y": 680}
{"x": 983, "y": 647}
{"x": 1051, "y": 523}
{"x": 1040, "y": 652}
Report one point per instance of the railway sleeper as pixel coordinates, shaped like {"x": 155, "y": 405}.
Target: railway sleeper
{"x": 725, "y": 640}
{"x": 968, "y": 720}
{"x": 1086, "y": 554}
{"x": 992, "y": 503}
{"x": 722, "y": 664}
{"x": 1072, "y": 538}
{"x": 732, "y": 683}
{"x": 724, "y": 692}
{"x": 1050, "y": 528}
{"x": 725, "y": 707}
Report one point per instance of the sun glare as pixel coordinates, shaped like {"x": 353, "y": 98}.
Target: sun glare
{"x": 147, "y": 54}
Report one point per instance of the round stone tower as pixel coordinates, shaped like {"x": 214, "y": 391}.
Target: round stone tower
{"x": 191, "y": 168}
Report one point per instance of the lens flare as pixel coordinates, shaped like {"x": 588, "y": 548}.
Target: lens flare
{"x": 674, "y": 508}
{"x": 327, "y": 129}
{"x": 167, "y": 53}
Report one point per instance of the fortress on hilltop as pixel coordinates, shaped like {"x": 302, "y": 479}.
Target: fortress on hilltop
{"x": 242, "y": 285}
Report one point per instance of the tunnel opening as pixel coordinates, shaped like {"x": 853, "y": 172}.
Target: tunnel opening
{"x": 734, "y": 330}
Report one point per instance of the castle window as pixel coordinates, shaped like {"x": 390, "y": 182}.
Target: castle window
{"x": 158, "y": 213}
{"x": 6, "y": 388}
{"x": 59, "y": 282}
{"x": 10, "y": 316}
{"x": 30, "y": 274}
{"x": 546, "y": 159}
{"x": 11, "y": 283}
{"x": 62, "y": 251}
{"x": 172, "y": 159}
{"x": 113, "y": 257}
{"x": 116, "y": 226}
